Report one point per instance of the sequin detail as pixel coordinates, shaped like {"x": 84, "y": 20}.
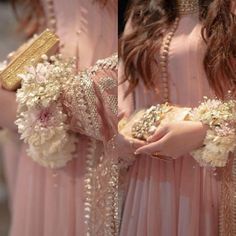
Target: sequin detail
{"x": 227, "y": 214}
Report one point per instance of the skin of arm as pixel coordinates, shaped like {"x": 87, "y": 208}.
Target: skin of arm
{"x": 8, "y": 109}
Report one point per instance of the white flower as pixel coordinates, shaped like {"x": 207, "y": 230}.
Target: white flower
{"x": 220, "y": 140}
{"x": 41, "y": 120}
{"x": 3, "y": 65}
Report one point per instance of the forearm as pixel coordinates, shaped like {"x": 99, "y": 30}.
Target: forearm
{"x": 8, "y": 110}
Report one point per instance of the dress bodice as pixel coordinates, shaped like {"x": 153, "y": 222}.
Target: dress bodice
{"x": 87, "y": 30}
{"x": 187, "y": 78}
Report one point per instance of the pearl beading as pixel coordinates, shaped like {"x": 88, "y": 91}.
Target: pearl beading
{"x": 52, "y": 22}
{"x": 185, "y": 7}
{"x": 164, "y": 58}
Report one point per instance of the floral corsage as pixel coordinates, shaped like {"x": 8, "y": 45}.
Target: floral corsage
{"x": 220, "y": 116}
{"x": 41, "y": 121}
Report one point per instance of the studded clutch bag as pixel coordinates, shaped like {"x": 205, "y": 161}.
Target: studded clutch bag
{"x": 28, "y": 55}
{"x": 145, "y": 122}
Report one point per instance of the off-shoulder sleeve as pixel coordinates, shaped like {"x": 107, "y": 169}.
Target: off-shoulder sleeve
{"x": 90, "y": 100}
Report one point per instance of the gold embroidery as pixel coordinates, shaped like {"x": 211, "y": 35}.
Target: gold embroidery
{"x": 227, "y": 216}
{"x": 88, "y": 204}
{"x": 81, "y": 97}
{"x": 186, "y": 7}
{"x": 106, "y": 84}
{"x": 89, "y": 98}
{"x": 101, "y": 180}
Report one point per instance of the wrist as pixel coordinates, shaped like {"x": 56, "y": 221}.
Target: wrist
{"x": 203, "y": 128}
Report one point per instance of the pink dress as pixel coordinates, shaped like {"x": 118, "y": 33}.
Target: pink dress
{"x": 176, "y": 198}
{"x": 10, "y": 151}
{"x": 71, "y": 201}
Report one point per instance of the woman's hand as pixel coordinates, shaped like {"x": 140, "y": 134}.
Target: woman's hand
{"x": 127, "y": 146}
{"x": 175, "y": 139}
{"x": 8, "y": 109}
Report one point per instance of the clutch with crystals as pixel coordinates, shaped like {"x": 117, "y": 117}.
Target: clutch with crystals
{"x": 28, "y": 55}
{"x": 218, "y": 115}
{"x": 145, "y": 122}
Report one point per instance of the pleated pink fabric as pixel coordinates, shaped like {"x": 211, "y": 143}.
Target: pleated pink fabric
{"x": 10, "y": 151}
{"x": 176, "y": 198}
{"x": 51, "y": 202}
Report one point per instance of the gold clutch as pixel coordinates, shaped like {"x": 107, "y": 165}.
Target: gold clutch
{"x": 28, "y": 55}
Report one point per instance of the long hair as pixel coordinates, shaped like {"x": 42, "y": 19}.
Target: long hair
{"x": 150, "y": 20}
{"x": 30, "y": 14}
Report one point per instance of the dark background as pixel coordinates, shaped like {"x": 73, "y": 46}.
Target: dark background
{"x": 123, "y": 5}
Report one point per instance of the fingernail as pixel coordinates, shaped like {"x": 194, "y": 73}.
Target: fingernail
{"x": 136, "y": 153}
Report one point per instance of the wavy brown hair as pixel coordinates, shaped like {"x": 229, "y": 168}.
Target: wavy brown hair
{"x": 150, "y": 19}
{"x": 31, "y": 16}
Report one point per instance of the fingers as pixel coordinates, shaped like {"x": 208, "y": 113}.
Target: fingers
{"x": 159, "y": 133}
{"x": 151, "y": 148}
{"x": 135, "y": 143}
{"x": 127, "y": 145}
{"x": 163, "y": 158}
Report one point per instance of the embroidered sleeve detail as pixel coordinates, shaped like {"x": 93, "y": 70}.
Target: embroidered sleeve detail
{"x": 55, "y": 104}
{"x": 91, "y": 98}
